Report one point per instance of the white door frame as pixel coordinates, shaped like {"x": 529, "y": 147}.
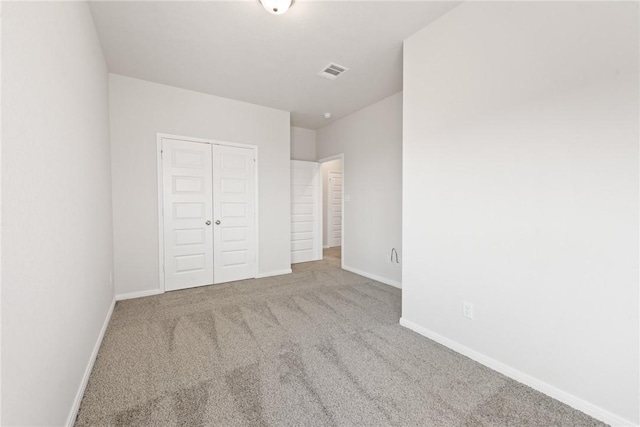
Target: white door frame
{"x": 342, "y": 239}
{"x": 159, "y": 137}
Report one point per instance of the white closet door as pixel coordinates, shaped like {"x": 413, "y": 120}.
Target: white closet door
{"x": 335, "y": 208}
{"x": 234, "y": 213}
{"x": 306, "y": 211}
{"x": 187, "y": 207}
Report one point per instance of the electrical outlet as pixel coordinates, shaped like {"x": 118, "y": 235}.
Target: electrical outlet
{"x": 467, "y": 310}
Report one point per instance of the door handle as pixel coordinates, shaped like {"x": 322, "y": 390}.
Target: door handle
{"x": 208, "y": 222}
{"x": 217, "y": 222}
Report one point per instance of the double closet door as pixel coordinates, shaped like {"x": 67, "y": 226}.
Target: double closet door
{"x": 208, "y": 213}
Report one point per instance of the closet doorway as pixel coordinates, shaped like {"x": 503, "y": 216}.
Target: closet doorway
{"x": 207, "y": 211}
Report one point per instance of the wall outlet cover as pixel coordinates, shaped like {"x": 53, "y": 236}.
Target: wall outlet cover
{"x": 467, "y": 310}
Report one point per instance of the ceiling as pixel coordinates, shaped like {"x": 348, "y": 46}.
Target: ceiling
{"x": 235, "y": 49}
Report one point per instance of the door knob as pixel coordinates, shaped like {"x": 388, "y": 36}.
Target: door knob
{"x": 208, "y": 222}
{"x": 217, "y": 222}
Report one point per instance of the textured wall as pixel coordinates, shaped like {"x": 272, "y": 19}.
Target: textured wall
{"x": 521, "y": 191}
{"x": 56, "y": 207}
{"x": 371, "y": 140}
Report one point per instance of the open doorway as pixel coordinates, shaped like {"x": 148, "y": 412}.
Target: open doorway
{"x": 333, "y": 208}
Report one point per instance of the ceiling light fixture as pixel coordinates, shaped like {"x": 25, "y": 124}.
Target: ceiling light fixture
{"x": 276, "y": 7}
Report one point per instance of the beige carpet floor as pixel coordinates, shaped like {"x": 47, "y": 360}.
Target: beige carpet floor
{"x": 319, "y": 347}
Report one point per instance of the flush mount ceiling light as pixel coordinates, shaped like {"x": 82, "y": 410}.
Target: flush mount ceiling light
{"x": 276, "y": 7}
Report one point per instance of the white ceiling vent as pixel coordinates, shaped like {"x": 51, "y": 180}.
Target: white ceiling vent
{"x": 332, "y": 71}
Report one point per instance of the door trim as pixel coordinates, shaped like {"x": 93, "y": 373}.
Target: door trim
{"x": 159, "y": 137}
{"x": 344, "y": 180}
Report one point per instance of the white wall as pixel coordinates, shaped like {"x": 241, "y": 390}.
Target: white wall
{"x": 303, "y": 144}
{"x": 332, "y": 165}
{"x": 139, "y": 110}
{"x": 56, "y": 188}
{"x": 371, "y": 140}
{"x": 521, "y": 192}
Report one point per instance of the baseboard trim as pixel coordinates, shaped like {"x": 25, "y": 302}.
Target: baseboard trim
{"x": 87, "y": 373}
{"x": 274, "y": 273}
{"x": 375, "y": 277}
{"x": 140, "y": 294}
{"x": 539, "y": 385}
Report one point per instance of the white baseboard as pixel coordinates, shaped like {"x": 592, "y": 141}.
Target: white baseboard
{"x": 140, "y": 294}
{"x": 375, "y": 277}
{"x": 87, "y": 372}
{"x": 273, "y": 273}
{"x": 561, "y": 395}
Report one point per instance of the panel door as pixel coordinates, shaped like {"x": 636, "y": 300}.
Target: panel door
{"x": 187, "y": 209}
{"x": 306, "y": 211}
{"x": 234, "y": 213}
{"x": 335, "y": 208}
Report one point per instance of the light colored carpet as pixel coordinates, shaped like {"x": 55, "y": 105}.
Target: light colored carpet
{"x": 319, "y": 347}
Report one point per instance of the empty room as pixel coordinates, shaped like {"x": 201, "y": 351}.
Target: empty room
{"x": 320, "y": 213}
